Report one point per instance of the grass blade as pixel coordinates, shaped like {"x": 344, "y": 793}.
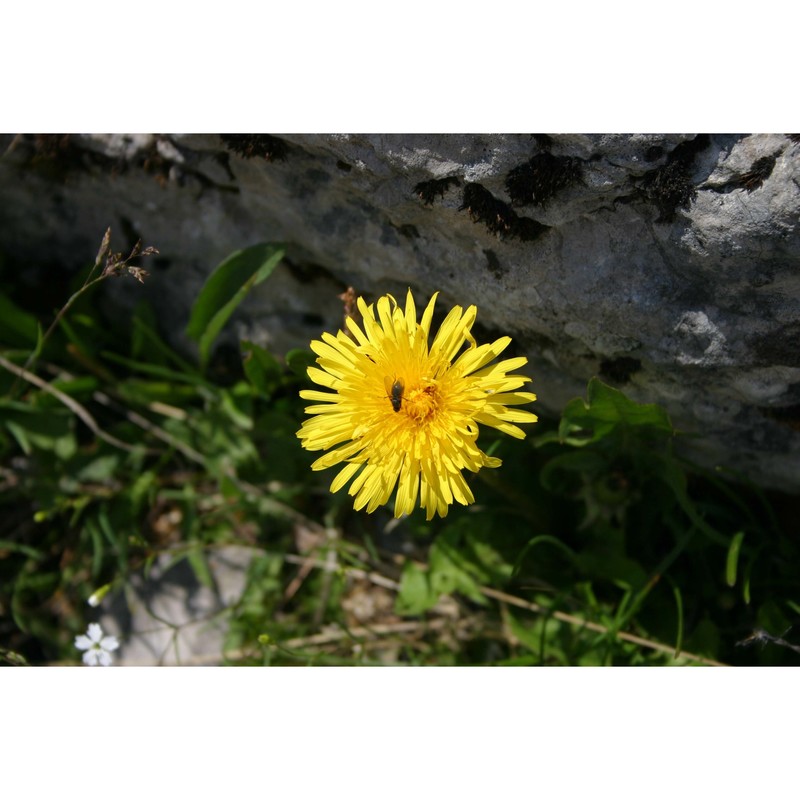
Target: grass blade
{"x": 733, "y": 558}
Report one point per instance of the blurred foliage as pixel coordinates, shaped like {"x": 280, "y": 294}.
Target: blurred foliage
{"x": 594, "y": 543}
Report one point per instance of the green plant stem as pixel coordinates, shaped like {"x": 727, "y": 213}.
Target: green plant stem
{"x": 59, "y": 316}
{"x": 72, "y": 404}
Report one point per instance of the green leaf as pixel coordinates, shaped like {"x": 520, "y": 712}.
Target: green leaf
{"x": 145, "y": 342}
{"x": 452, "y": 568}
{"x": 190, "y": 377}
{"x": 261, "y": 368}
{"x": 604, "y": 410}
{"x": 675, "y": 478}
{"x": 17, "y": 547}
{"x": 225, "y": 289}
{"x": 41, "y": 429}
{"x": 84, "y": 333}
{"x": 746, "y": 589}
{"x": 529, "y": 637}
{"x": 117, "y": 538}
{"x": 299, "y": 361}
{"x": 415, "y": 595}
{"x": 141, "y": 489}
{"x": 99, "y": 469}
{"x": 704, "y": 639}
{"x": 197, "y": 560}
{"x": 96, "y": 536}
{"x": 732, "y": 561}
{"x": 171, "y": 393}
{"x": 236, "y": 405}
{"x": 13, "y": 658}
{"x": 18, "y": 328}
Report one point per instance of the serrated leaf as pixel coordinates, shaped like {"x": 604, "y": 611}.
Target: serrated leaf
{"x": 604, "y": 410}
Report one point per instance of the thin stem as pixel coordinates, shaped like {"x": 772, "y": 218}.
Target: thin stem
{"x": 594, "y": 626}
{"x": 561, "y": 616}
{"x": 72, "y": 404}
{"x": 31, "y": 360}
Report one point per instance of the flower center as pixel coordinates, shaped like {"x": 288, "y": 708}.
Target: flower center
{"x": 421, "y": 402}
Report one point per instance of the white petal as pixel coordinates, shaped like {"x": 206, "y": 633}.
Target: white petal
{"x": 109, "y": 643}
{"x": 104, "y": 658}
{"x": 83, "y": 642}
{"x": 94, "y": 632}
{"x": 90, "y": 658}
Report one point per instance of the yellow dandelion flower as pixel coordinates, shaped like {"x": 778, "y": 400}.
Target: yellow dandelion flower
{"x": 402, "y": 413}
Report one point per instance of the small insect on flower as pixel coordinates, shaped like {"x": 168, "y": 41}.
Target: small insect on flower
{"x": 438, "y": 393}
{"x": 394, "y": 391}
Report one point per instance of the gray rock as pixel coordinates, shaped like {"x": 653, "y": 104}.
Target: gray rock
{"x": 166, "y": 616}
{"x": 669, "y": 265}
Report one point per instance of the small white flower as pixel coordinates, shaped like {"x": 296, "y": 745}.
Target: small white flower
{"x": 98, "y": 647}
